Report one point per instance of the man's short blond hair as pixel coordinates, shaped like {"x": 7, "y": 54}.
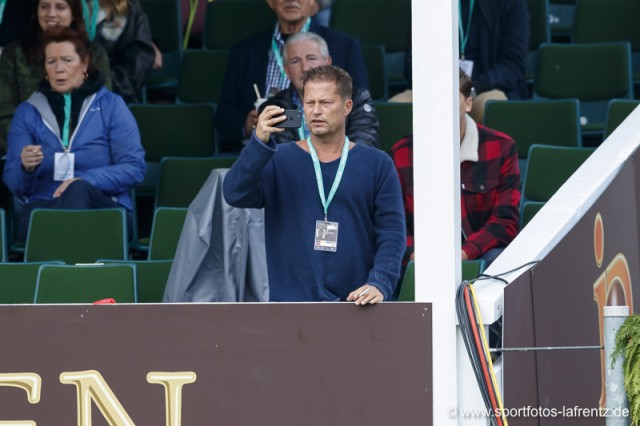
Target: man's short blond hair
{"x": 330, "y": 74}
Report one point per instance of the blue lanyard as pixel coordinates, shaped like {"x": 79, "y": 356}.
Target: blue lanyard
{"x": 67, "y": 119}
{"x": 91, "y": 19}
{"x": 3, "y": 3}
{"x": 336, "y": 181}
{"x": 464, "y": 37}
{"x": 275, "y": 48}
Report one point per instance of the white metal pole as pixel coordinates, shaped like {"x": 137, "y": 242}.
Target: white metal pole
{"x": 436, "y": 186}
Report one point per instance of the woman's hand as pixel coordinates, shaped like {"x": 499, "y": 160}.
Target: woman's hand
{"x": 63, "y": 186}
{"x": 31, "y": 157}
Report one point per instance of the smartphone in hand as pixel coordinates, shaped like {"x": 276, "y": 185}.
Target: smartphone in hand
{"x": 293, "y": 120}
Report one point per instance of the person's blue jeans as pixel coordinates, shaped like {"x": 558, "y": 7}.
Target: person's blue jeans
{"x": 491, "y": 255}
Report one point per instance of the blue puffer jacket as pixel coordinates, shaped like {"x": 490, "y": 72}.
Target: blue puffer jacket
{"x": 106, "y": 144}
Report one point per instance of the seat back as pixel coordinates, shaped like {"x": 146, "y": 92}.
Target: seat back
{"x": 85, "y": 284}
{"x": 151, "y": 278}
{"x": 471, "y": 269}
{"x": 181, "y": 178}
{"x": 528, "y": 210}
{"x": 202, "y": 75}
{"x": 618, "y": 110}
{"x": 385, "y": 23}
{"x": 548, "y": 169}
{"x": 539, "y": 33}
{"x": 165, "y": 233}
{"x": 551, "y": 122}
{"x": 175, "y": 130}
{"x": 374, "y": 60}
{"x": 607, "y": 20}
{"x": 3, "y": 236}
{"x": 561, "y": 16}
{"x": 378, "y": 22}
{"x": 165, "y": 23}
{"x": 396, "y": 122}
{"x": 229, "y": 21}
{"x": 408, "y": 287}
{"x": 18, "y": 282}
{"x": 77, "y": 236}
{"x": 592, "y": 73}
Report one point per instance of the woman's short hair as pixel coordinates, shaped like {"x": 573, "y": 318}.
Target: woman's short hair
{"x": 79, "y": 40}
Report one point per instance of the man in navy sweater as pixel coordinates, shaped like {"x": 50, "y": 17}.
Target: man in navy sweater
{"x": 334, "y": 220}
{"x": 258, "y": 60}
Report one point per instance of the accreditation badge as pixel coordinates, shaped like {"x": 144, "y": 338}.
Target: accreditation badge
{"x": 64, "y": 163}
{"x": 467, "y": 67}
{"x": 326, "y": 236}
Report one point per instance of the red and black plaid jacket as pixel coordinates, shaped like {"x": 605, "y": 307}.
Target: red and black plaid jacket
{"x": 490, "y": 193}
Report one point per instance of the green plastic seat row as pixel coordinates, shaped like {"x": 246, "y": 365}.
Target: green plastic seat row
{"x": 53, "y": 282}
{"x": 471, "y": 269}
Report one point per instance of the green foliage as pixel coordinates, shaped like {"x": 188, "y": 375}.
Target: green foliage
{"x": 628, "y": 345}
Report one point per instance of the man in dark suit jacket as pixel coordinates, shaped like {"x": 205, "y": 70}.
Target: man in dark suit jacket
{"x": 496, "y": 42}
{"x": 255, "y": 61}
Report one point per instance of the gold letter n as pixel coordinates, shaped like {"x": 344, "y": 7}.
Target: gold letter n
{"x": 91, "y": 386}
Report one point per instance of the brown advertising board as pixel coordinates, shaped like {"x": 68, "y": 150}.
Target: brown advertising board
{"x": 216, "y": 364}
{"x": 595, "y": 265}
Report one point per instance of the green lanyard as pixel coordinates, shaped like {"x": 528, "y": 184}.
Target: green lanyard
{"x": 67, "y": 119}
{"x": 91, "y": 19}
{"x": 303, "y": 131}
{"x": 464, "y": 37}
{"x": 336, "y": 181}
{"x": 3, "y": 3}
{"x": 276, "y": 49}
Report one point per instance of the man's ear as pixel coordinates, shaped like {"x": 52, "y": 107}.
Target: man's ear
{"x": 314, "y": 8}
{"x": 468, "y": 104}
{"x": 329, "y": 60}
{"x": 348, "y": 106}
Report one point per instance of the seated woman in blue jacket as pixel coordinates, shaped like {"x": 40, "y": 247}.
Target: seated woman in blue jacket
{"x": 73, "y": 144}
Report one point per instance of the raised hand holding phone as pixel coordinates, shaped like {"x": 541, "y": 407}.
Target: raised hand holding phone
{"x": 268, "y": 121}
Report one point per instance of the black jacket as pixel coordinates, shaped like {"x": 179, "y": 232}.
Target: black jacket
{"x": 498, "y": 45}
{"x": 362, "y": 123}
{"x": 131, "y": 54}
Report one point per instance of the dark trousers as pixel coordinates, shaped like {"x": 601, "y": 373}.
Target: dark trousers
{"x": 79, "y": 195}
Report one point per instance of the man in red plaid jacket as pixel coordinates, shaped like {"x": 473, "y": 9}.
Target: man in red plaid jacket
{"x": 490, "y": 182}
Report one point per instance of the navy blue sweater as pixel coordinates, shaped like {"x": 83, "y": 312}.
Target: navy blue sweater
{"x": 367, "y": 206}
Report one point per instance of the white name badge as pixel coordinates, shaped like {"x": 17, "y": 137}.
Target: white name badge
{"x": 467, "y": 67}
{"x": 63, "y": 167}
{"x": 326, "y": 236}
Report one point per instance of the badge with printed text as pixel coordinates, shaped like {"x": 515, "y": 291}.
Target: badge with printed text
{"x": 64, "y": 163}
{"x": 326, "y": 236}
{"x": 467, "y": 67}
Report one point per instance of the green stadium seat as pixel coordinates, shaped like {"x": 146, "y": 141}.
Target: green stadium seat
{"x": 77, "y": 236}
{"x": 86, "y": 283}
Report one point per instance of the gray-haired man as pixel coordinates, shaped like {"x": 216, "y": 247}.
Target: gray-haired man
{"x": 302, "y": 52}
